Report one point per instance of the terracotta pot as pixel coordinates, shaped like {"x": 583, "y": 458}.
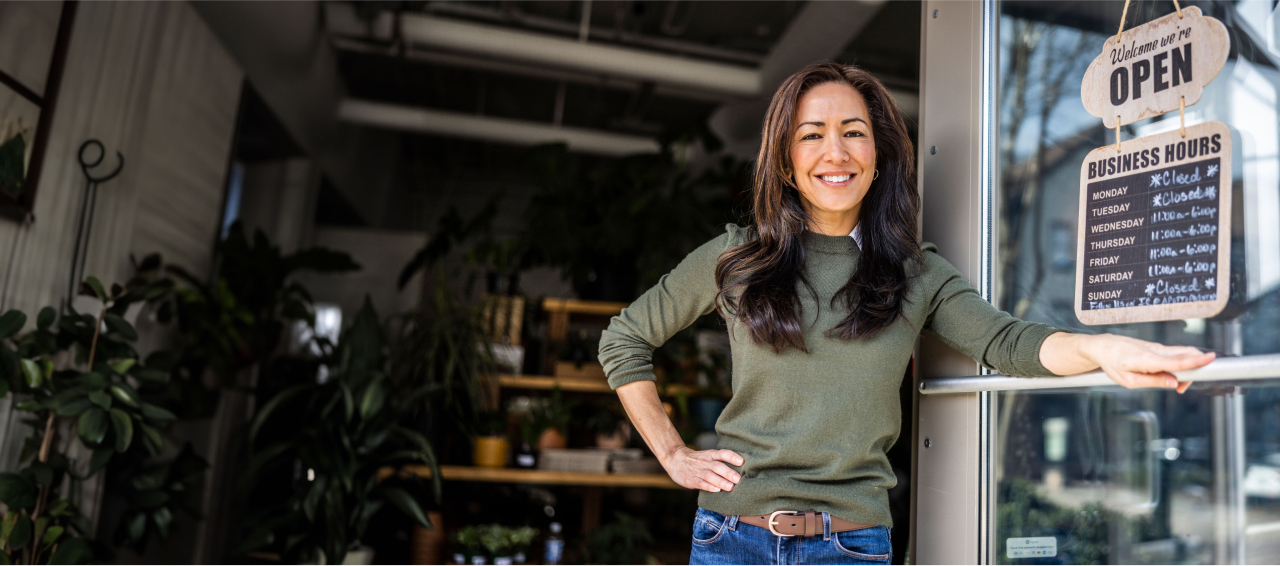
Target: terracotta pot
{"x": 426, "y": 546}
{"x": 552, "y": 439}
{"x": 491, "y": 451}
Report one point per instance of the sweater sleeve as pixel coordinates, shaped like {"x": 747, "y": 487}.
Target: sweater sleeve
{"x": 960, "y": 317}
{"x": 679, "y": 298}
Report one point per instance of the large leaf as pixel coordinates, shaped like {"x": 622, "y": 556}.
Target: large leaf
{"x": 11, "y": 322}
{"x": 21, "y": 535}
{"x": 120, "y": 326}
{"x": 122, "y": 366}
{"x": 16, "y": 491}
{"x": 125, "y": 394}
{"x": 265, "y": 412}
{"x": 31, "y": 370}
{"x": 74, "y": 550}
{"x": 51, "y": 535}
{"x": 371, "y": 402}
{"x": 151, "y": 436}
{"x": 46, "y": 318}
{"x": 406, "y": 503}
{"x": 92, "y": 426}
{"x": 157, "y": 413}
{"x": 124, "y": 429}
{"x": 152, "y": 375}
{"x": 100, "y": 459}
{"x": 92, "y": 286}
{"x": 162, "y": 518}
{"x": 74, "y": 407}
{"x": 100, "y": 398}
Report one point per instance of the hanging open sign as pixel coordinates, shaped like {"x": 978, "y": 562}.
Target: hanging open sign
{"x": 1154, "y": 67}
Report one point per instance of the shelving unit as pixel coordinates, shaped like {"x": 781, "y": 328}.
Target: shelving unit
{"x": 546, "y": 477}
{"x": 572, "y": 384}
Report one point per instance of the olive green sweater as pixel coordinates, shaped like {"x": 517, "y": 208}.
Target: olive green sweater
{"x": 813, "y": 428}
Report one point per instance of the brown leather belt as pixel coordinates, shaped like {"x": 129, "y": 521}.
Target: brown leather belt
{"x": 797, "y": 523}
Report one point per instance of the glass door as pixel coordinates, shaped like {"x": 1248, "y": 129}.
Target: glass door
{"x": 1101, "y": 475}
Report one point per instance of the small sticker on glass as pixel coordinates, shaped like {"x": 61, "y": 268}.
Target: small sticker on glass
{"x": 1031, "y": 547}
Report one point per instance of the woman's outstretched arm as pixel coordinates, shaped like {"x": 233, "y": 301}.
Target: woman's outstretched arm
{"x": 690, "y": 468}
{"x": 1128, "y": 361}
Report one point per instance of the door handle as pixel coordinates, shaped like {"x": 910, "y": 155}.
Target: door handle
{"x": 1151, "y": 431}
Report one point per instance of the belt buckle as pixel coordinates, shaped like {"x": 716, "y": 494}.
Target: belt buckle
{"x": 772, "y": 521}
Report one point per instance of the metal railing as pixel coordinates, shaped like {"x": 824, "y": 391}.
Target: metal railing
{"x": 1241, "y": 368}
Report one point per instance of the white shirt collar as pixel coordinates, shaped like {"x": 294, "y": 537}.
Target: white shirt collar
{"x": 856, "y": 234}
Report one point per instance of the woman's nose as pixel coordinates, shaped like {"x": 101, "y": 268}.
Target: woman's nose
{"x": 836, "y": 153}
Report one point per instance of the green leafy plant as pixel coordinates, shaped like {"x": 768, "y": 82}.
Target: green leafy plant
{"x": 493, "y": 541}
{"x": 624, "y": 541}
{"x": 553, "y": 412}
{"x": 583, "y": 220}
{"x": 79, "y": 369}
{"x": 343, "y": 432}
{"x": 444, "y": 349}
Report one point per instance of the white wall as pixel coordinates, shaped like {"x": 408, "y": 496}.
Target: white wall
{"x": 150, "y": 81}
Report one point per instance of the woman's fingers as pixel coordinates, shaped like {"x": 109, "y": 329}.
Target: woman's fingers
{"x": 725, "y": 472}
{"x": 726, "y": 456}
{"x": 1183, "y": 386}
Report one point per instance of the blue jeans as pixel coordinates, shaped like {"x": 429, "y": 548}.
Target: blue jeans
{"x": 720, "y": 539}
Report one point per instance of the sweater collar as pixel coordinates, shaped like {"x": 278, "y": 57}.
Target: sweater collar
{"x": 823, "y": 243}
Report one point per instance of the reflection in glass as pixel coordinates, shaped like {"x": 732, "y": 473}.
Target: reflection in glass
{"x": 1119, "y": 476}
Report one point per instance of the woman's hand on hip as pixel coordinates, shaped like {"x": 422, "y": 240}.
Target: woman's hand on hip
{"x": 1127, "y": 361}
{"x": 703, "y": 469}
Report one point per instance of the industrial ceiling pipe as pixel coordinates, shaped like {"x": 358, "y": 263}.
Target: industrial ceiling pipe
{"x": 487, "y": 128}
{"x": 551, "y": 51}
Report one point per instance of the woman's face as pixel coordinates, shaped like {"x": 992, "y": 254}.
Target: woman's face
{"x": 833, "y": 153}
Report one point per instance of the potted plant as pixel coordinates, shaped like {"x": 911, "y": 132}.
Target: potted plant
{"x": 467, "y": 547}
{"x": 75, "y": 372}
{"x": 343, "y": 435}
{"x": 609, "y": 425}
{"x": 520, "y": 539}
{"x": 552, "y": 416}
{"x": 491, "y": 445}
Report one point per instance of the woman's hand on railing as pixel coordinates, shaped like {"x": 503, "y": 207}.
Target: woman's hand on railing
{"x": 703, "y": 469}
{"x": 1129, "y": 362}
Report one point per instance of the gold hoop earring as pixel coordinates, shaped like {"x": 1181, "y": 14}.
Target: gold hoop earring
{"x": 876, "y": 176}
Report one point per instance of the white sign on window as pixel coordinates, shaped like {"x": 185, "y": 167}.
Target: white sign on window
{"x": 1031, "y": 547}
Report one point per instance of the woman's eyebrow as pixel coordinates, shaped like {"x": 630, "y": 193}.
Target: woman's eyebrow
{"x": 821, "y": 124}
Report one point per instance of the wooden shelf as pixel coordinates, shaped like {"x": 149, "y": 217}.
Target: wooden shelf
{"x": 574, "y": 306}
{"x": 576, "y": 384}
{"x": 546, "y": 477}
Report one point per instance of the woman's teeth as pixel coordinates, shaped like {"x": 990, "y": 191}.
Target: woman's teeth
{"x": 835, "y": 178}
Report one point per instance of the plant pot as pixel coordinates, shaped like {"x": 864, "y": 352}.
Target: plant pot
{"x": 426, "y": 546}
{"x": 491, "y": 451}
{"x": 552, "y": 439}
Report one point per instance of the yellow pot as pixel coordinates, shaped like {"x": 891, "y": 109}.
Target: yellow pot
{"x": 491, "y": 451}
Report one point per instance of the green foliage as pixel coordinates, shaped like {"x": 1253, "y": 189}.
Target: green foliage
{"x": 232, "y": 322}
{"x": 632, "y": 218}
{"x": 437, "y": 349}
{"x": 493, "y": 541}
{"x": 624, "y": 541}
{"x": 553, "y": 412}
{"x": 91, "y": 385}
{"x": 1085, "y": 532}
{"x": 13, "y": 169}
{"x": 343, "y": 432}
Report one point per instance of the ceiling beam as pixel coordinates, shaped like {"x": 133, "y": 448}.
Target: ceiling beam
{"x": 491, "y": 129}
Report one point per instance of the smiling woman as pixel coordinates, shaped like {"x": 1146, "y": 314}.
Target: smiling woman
{"x": 825, "y": 296}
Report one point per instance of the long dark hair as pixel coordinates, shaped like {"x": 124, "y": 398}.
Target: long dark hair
{"x": 758, "y": 280}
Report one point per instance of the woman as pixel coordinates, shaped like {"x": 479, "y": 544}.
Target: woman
{"x": 825, "y": 296}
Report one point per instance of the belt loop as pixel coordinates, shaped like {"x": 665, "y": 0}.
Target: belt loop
{"x": 732, "y": 523}
{"x": 826, "y": 526}
{"x": 810, "y": 523}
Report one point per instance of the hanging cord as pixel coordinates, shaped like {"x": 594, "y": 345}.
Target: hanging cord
{"x": 1177, "y": 8}
{"x": 1123, "y": 15}
{"x": 1117, "y": 134}
{"x": 1182, "y": 115}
